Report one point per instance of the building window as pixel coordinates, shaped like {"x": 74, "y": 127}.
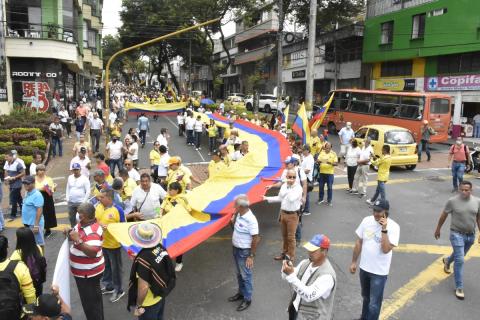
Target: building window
{"x": 418, "y": 26}
{"x": 387, "y": 32}
{"x": 92, "y": 41}
{"x": 396, "y": 68}
{"x": 459, "y": 63}
{"x": 85, "y": 34}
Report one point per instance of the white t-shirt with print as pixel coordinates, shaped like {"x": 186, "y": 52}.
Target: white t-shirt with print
{"x": 244, "y": 228}
{"x": 372, "y": 258}
{"x": 115, "y": 149}
{"x": 308, "y": 163}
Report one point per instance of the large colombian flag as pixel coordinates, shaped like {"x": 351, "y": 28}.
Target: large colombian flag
{"x": 155, "y": 109}
{"x": 317, "y": 119}
{"x": 300, "y": 125}
{"x": 213, "y": 201}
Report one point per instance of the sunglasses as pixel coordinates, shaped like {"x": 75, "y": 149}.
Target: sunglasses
{"x": 291, "y": 177}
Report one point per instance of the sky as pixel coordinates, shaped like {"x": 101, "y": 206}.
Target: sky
{"x": 111, "y": 19}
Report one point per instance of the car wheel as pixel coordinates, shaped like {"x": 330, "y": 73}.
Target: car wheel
{"x": 267, "y": 108}
{"x": 411, "y": 166}
{"x": 249, "y": 107}
{"x": 332, "y": 129}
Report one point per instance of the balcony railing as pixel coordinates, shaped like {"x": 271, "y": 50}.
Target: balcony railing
{"x": 381, "y": 7}
{"x": 257, "y": 30}
{"x": 38, "y": 31}
{"x": 253, "y": 55}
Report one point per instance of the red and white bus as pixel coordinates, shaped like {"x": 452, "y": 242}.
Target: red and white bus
{"x": 403, "y": 109}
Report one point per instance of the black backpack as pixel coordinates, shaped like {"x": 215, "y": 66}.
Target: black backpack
{"x": 10, "y": 307}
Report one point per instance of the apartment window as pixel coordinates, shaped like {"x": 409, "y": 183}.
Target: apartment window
{"x": 459, "y": 63}
{"x": 92, "y": 40}
{"x": 387, "y": 32}
{"x": 396, "y": 68}
{"x": 418, "y": 26}
{"x": 85, "y": 34}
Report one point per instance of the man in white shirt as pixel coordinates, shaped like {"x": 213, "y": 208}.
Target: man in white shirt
{"x": 163, "y": 166}
{"x": 198, "y": 128}
{"x": 132, "y": 172}
{"x": 112, "y": 117}
{"x": 313, "y": 282}
{"x": 146, "y": 199}
{"x": 361, "y": 175}
{"x": 181, "y": 124}
{"x": 244, "y": 240}
{"x": 114, "y": 149}
{"x": 96, "y": 130}
{"x": 83, "y": 161}
{"x": 307, "y": 165}
{"x": 189, "y": 126}
{"x": 78, "y": 192}
{"x": 377, "y": 235}
{"x": 290, "y": 196}
{"x": 346, "y": 134}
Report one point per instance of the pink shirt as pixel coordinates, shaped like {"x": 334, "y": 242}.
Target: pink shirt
{"x": 459, "y": 152}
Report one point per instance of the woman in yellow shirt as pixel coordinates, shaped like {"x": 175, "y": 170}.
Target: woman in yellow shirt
{"x": 45, "y": 185}
{"x": 327, "y": 159}
{"x": 212, "y": 136}
{"x": 32, "y": 255}
{"x": 174, "y": 198}
{"x": 216, "y": 164}
{"x": 155, "y": 160}
{"x": 225, "y": 154}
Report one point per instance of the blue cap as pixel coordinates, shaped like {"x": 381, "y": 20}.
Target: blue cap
{"x": 76, "y": 166}
{"x": 381, "y": 205}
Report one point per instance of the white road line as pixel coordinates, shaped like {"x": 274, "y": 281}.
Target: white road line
{"x": 196, "y": 163}
{"x": 58, "y": 178}
{"x": 176, "y": 126}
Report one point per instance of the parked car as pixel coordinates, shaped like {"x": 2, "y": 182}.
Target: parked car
{"x": 267, "y": 103}
{"x": 403, "y": 148}
{"x": 235, "y": 97}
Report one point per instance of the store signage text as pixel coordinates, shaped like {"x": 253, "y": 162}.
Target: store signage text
{"x": 453, "y": 83}
{"x": 396, "y": 84}
{"x": 33, "y": 74}
{"x": 34, "y": 95}
{"x": 298, "y": 74}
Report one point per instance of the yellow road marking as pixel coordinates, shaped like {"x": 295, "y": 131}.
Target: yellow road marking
{"x": 17, "y": 223}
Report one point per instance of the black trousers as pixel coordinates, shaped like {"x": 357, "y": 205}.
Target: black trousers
{"x": 351, "y": 170}
{"x": 95, "y": 135}
{"x": 91, "y": 297}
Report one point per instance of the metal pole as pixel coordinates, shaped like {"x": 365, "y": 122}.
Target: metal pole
{"x": 146, "y": 43}
{"x": 335, "y": 79}
{"x": 311, "y": 55}
{"x": 279, "y": 55}
{"x": 190, "y": 67}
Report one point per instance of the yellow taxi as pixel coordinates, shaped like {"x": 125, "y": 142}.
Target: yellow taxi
{"x": 403, "y": 148}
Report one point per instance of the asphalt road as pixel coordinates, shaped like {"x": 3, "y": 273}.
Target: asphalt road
{"x": 208, "y": 277}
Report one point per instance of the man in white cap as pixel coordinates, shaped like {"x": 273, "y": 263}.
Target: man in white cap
{"x": 313, "y": 282}
{"x": 427, "y": 132}
{"x": 152, "y": 276}
{"x": 346, "y": 134}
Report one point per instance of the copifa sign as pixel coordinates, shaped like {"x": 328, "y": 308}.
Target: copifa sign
{"x": 453, "y": 83}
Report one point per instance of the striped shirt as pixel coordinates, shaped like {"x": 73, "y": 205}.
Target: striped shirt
{"x": 81, "y": 265}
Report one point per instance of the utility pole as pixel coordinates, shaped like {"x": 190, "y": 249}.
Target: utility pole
{"x": 335, "y": 63}
{"x": 279, "y": 54}
{"x": 311, "y": 55}
{"x": 190, "y": 67}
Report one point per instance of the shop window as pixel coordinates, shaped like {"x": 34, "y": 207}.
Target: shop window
{"x": 397, "y": 68}
{"x": 418, "y": 26}
{"x": 387, "y": 32}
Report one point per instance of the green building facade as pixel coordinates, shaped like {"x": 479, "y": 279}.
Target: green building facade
{"x": 427, "y": 45}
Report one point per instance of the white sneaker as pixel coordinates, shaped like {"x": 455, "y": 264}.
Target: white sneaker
{"x": 306, "y": 213}
{"x": 196, "y": 149}
{"x": 178, "y": 267}
{"x": 369, "y": 202}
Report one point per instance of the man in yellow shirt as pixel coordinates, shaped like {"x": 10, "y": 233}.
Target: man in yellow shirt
{"x": 175, "y": 173}
{"x": 23, "y": 283}
{"x": 107, "y": 212}
{"x": 227, "y": 131}
{"x": 216, "y": 164}
{"x": 212, "y": 136}
{"x": 383, "y": 163}
{"x": 316, "y": 143}
{"x": 327, "y": 159}
{"x": 128, "y": 185}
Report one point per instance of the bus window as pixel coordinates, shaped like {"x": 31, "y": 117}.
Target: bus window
{"x": 385, "y": 104}
{"x": 439, "y": 106}
{"x": 340, "y": 101}
{"x": 361, "y": 133}
{"x": 373, "y": 134}
{"x": 410, "y": 112}
{"x": 361, "y": 102}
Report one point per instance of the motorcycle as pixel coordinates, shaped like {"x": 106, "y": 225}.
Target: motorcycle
{"x": 474, "y": 161}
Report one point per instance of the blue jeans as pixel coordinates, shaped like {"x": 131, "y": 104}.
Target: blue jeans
{"x": 112, "y": 276}
{"x": 57, "y": 142}
{"x": 212, "y": 143}
{"x": 423, "y": 145}
{"x": 2, "y": 220}
{"x": 476, "y": 130}
{"x": 154, "y": 312}
{"x": 198, "y": 139}
{"x": 113, "y": 163}
{"x": 461, "y": 243}
{"x": 298, "y": 232}
{"x": 190, "y": 137}
{"x": 15, "y": 198}
{"x": 380, "y": 191}
{"x": 244, "y": 275}
{"x": 458, "y": 169}
{"x": 306, "y": 207}
{"x": 372, "y": 294}
{"x": 325, "y": 179}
